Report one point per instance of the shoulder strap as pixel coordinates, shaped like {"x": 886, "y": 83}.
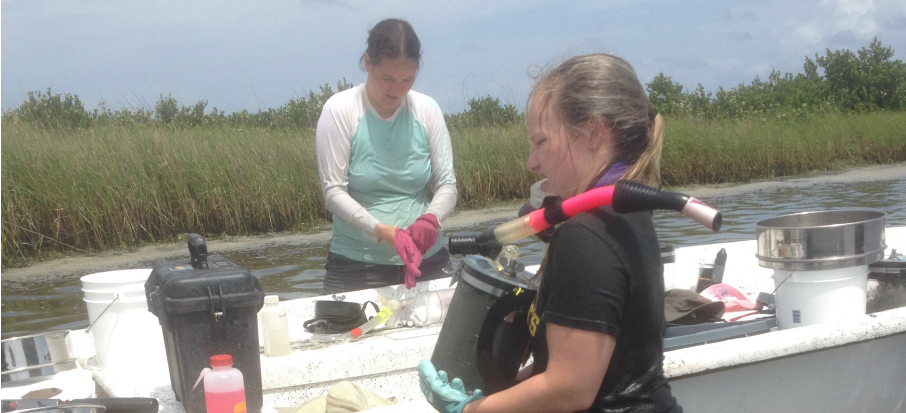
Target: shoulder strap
{"x": 503, "y": 346}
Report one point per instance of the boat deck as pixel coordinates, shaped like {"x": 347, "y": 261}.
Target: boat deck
{"x": 393, "y": 353}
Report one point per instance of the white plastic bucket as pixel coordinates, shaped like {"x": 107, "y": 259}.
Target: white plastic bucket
{"x": 126, "y": 335}
{"x": 668, "y": 258}
{"x": 127, "y": 293}
{"x": 116, "y": 280}
{"x": 814, "y": 297}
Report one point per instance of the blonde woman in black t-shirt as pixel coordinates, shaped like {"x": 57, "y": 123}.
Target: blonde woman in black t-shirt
{"x": 598, "y": 320}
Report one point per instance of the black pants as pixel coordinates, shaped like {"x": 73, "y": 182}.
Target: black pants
{"x": 345, "y": 274}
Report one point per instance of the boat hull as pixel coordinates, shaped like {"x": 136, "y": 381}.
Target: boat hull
{"x": 867, "y": 376}
{"x": 854, "y": 365}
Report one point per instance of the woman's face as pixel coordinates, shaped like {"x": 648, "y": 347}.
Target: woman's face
{"x": 566, "y": 158}
{"x": 389, "y": 82}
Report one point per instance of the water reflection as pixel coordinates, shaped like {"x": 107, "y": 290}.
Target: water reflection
{"x": 273, "y": 271}
{"x": 295, "y": 272}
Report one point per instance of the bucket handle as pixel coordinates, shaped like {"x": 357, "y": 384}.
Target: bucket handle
{"x": 116, "y": 296}
{"x": 781, "y": 283}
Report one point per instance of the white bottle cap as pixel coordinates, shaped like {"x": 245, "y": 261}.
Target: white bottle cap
{"x": 271, "y": 299}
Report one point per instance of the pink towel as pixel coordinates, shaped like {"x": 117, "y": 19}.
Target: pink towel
{"x": 734, "y": 300}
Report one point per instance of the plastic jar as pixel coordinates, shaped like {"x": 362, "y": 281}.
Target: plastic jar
{"x": 431, "y": 306}
{"x": 274, "y": 327}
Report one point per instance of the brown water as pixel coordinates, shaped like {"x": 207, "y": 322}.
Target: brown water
{"x": 296, "y": 271}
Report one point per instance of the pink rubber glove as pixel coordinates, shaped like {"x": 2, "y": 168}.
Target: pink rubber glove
{"x": 424, "y": 232}
{"x": 407, "y": 250}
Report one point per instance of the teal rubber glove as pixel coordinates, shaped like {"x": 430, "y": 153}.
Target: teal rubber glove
{"x": 445, "y": 397}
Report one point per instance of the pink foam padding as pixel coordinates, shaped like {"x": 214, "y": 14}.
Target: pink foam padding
{"x": 595, "y": 198}
{"x": 537, "y": 221}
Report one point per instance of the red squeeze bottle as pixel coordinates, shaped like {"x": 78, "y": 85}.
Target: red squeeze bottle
{"x": 224, "y": 391}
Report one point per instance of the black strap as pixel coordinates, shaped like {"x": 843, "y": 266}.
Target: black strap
{"x": 664, "y": 401}
{"x": 512, "y": 344}
{"x": 553, "y": 210}
{"x": 336, "y": 324}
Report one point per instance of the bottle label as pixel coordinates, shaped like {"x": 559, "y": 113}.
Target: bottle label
{"x": 225, "y": 402}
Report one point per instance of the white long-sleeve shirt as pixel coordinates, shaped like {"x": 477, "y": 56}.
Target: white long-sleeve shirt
{"x": 376, "y": 170}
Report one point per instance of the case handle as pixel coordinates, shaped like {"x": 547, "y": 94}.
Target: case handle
{"x": 199, "y": 251}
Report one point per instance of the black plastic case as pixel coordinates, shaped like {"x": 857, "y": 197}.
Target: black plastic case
{"x": 207, "y": 306}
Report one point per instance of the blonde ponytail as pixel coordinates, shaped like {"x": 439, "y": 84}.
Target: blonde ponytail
{"x": 606, "y": 87}
{"x": 647, "y": 169}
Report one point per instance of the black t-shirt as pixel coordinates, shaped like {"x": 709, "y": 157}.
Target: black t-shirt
{"x": 604, "y": 274}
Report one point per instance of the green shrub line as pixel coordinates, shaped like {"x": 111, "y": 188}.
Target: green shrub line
{"x": 838, "y": 81}
{"x": 82, "y": 181}
{"x": 841, "y": 80}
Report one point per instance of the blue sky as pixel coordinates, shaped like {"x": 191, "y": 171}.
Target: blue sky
{"x": 259, "y": 54}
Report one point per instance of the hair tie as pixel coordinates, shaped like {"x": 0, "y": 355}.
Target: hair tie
{"x": 652, "y": 114}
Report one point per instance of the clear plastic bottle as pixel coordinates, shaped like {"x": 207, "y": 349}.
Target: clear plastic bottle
{"x": 224, "y": 390}
{"x": 274, "y": 327}
{"x": 431, "y": 306}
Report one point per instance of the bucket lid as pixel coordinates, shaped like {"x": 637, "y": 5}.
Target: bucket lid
{"x": 895, "y": 265}
{"x": 482, "y": 274}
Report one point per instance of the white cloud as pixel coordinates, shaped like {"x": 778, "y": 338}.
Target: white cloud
{"x": 237, "y": 53}
{"x": 855, "y": 16}
{"x": 810, "y": 33}
{"x": 860, "y": 20}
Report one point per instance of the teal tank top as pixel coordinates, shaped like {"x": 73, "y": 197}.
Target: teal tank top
{"x": 389, "y": 171}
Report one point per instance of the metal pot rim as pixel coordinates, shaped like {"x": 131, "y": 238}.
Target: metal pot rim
{"x": 821, "y": 240}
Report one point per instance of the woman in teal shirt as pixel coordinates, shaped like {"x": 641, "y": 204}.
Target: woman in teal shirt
{"x": 379, "y": 147}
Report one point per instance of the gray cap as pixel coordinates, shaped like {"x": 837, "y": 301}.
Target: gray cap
{"x": 689, "y": 307}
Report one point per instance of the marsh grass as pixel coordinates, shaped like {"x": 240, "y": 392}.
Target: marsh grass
{"x": 742, "y": 150}
{"x": 115, "y": 187}
{"x": 490, "y": 164}
{"x": 86, "y": 190}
